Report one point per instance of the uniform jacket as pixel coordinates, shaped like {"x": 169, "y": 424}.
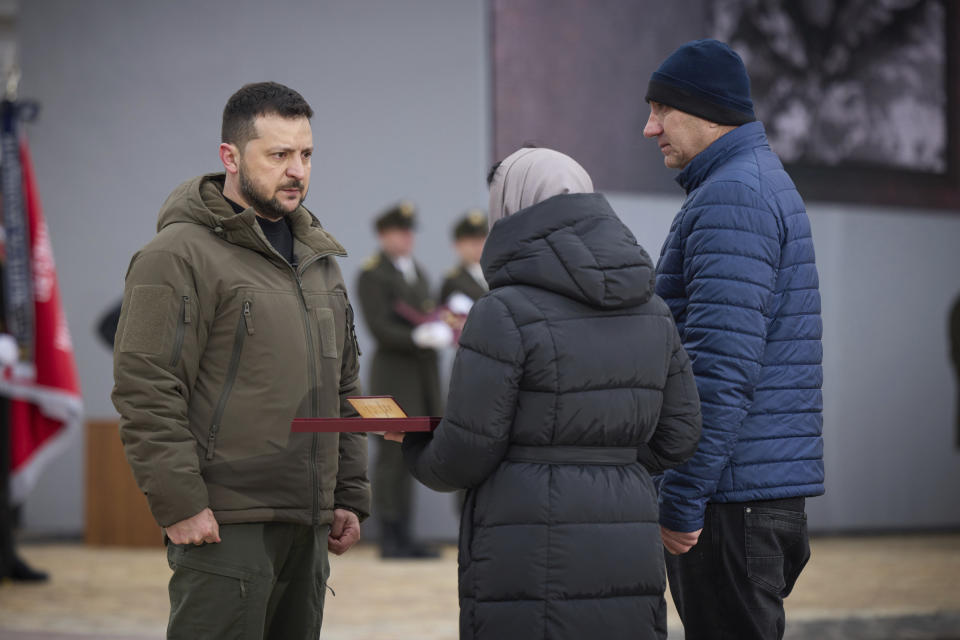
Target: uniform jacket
{"x": 459, "y": 279}
{"x": 569, "y": 380}
{"x": 738, "y": 272}
{"x": 220, "y": 344}
{"x": 400, "y": 368}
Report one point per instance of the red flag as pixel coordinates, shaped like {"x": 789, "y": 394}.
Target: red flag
{"x": 47, "y": 404}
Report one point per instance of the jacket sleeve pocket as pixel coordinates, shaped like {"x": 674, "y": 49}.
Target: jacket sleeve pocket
{"x": 149, "y": 308}
{"x": 328, "y": 332}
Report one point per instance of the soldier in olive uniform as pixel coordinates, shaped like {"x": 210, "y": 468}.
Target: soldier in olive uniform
{"x": 469, "y": 234}
{"x": 404, "y": 365}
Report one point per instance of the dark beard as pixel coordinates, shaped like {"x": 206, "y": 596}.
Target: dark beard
{"x": 268, "y": 208}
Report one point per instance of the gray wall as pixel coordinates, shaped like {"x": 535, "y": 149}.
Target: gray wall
{"x": 132, "y": 94}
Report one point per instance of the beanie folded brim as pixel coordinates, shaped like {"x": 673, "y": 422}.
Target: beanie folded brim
{"x": 696, "y": 104}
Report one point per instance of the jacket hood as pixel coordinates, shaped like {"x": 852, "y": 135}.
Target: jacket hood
{"x": 201, "y": 201}
{"x": 573, "y": 245}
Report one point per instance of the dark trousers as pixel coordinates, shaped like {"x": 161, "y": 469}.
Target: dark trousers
{"x": 392, "y": 484}
{"x": 265, "y": 580}
{"x": 731, "y": 585}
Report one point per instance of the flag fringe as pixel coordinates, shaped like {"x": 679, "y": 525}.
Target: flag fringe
{"x": 57, "y": 405}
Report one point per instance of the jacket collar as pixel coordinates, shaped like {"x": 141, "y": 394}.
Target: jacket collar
{"x": 747, "y": 136}
{"x": 201, "y": 201}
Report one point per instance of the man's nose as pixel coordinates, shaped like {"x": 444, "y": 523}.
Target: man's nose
{"x": 296, "y": 168}
{"x": 653, "y": 128}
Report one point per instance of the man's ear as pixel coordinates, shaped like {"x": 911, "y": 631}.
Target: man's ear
{"x": 230, "y": 157}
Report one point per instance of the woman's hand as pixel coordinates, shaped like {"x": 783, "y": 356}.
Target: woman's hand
{"x": 396, "y": 436}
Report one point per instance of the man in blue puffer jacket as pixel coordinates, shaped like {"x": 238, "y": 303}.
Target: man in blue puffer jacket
{"x": 738, "y": 273}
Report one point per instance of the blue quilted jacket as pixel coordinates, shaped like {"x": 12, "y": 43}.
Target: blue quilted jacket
{"x": 738, "y": 273}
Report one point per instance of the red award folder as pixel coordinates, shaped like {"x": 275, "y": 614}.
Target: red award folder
{"x": 378, "y": 414}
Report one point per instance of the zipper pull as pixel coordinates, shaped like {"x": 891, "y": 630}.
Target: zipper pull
{"x": 186, "y": 309}
{"x": 248, "y": 317}
{"x": 353, "y": 329}
{"x": 356, "y": 342}
{"x": 211, "y": 440}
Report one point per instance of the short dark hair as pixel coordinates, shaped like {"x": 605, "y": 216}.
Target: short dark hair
{"x": 492, "y": 171}
{"x": 496, "y": 165}
{"x": 259, "y": 99}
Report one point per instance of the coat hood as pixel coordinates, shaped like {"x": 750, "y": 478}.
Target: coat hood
{"x": 573, "y": 245}
{"x": 201, "y": 201}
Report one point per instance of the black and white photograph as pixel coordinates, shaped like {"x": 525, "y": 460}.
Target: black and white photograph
{"x": 826, "y": 75}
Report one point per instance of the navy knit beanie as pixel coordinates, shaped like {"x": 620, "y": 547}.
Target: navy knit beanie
{"x": 705, "y": 78}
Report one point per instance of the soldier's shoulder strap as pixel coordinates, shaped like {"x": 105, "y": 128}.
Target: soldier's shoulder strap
{"x": 372, "y": 262}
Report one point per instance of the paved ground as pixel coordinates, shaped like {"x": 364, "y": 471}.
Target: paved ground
{"x": 874, "y": 588}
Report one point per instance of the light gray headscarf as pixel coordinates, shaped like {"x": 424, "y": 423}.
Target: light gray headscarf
{"x": 529, "y": 176}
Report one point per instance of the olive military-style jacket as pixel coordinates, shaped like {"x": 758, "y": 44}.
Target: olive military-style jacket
{"x": 221, "y": 343}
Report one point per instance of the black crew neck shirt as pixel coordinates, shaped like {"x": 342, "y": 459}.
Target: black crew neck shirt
{"x": 277, "y": 231}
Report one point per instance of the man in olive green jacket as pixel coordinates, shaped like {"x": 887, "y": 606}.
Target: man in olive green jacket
{"x": 236, "y": 320}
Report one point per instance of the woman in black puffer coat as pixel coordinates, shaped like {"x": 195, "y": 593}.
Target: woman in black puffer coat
{"x": 570, "y": 387}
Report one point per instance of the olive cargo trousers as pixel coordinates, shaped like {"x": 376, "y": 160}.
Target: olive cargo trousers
{"x": 264, "y": 580}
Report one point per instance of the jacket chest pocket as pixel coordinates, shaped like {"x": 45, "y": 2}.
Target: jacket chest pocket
{"x": 328, "y": 331}
{"x": 328, "y": 312}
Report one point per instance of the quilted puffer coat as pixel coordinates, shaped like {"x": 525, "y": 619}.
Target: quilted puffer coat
{"x": 569, "y": 385}
{"x": 738, "y": 272}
